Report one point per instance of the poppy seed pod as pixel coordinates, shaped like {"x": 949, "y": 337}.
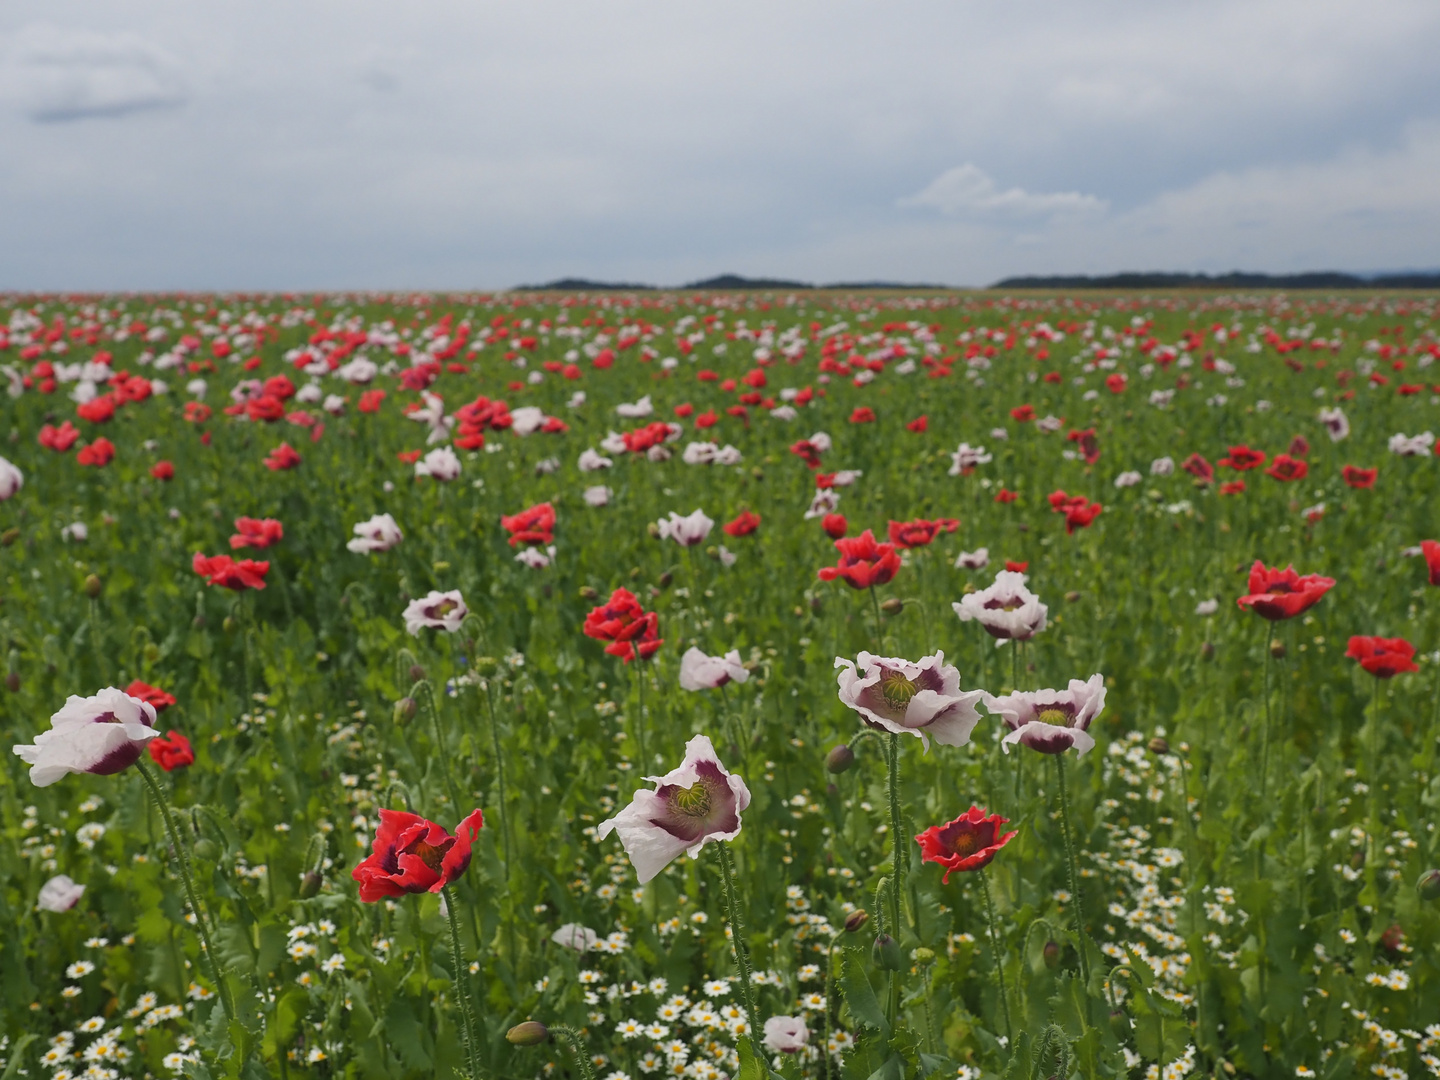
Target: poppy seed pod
{"x": 310, "y": 884}
{"x": 653, "y": 529}
{"x": 666, "y": 579}
{"x": 885, "y": 954}
{"x": 1277, "y": 649}
{"x": 205, "y": 848}
{"x": 840, "y": 759}
{"x": 1051, "y": 954}
{"x": 228, "y": 625}
{"x": 9, "y": 536}
{"x": 1207, "y": 651}
{"x": 12, "y": 682}
{"x": 893, "y": 606}
{"x": 1071, "y": 596}
{"x": 405, "y": 710}
{"x": 416, "y": 673}
{"x": 588, "y": 592}
{"x": 530, "y": 1033}
{"x": 92, "y": 586}
{"x": 1429, "y": 885}
{"x": 855, "y": 920}
{"x": 1120, "y": 1024}
{"x": 924, "y": 957}
{"x": 1158, "y": 745}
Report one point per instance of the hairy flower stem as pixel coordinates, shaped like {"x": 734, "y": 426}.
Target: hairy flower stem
{"x": 829, "y": 999}
{"x": 640, "y": 711}
{"x": 898, "y": 852}
{"x": 577, "y": 1047}
{"x": 1076, "y": 897}
{"x": 1372, "y": 861}
{"x": 999, "y": 959}
{"x": 1265, "y": 735}
{"x": 462, "y": 988}
{"x": 499, "y": 772}
{"x": 741, "y": 947}
{"x": 879, "y": 621}
{"x": 182, "y": 860}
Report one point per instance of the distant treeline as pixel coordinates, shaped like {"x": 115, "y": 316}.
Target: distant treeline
{"x": 1321, "y": 279}
{"x": 723, "y": 281}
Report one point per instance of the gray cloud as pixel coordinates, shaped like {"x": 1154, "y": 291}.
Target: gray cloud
{"x": 967, "y": 189}
{"x": 57, "y": 75}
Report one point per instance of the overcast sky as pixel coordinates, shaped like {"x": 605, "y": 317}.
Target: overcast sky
{"x": 273, "y": 145}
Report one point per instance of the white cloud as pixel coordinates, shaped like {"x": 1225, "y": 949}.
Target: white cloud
{"x": 57, "y": 75}
{"x": 966, "y": 189}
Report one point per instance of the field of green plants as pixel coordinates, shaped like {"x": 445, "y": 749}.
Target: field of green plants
{"x": 627, "y": 686}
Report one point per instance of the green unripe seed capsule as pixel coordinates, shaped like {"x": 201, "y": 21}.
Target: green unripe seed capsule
{"x": 840, "y": 759}
{"x": 1429, "y": 885}
{"x": 885, "y": 954}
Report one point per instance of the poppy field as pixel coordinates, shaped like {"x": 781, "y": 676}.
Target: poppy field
{"x": 835, "y": 686}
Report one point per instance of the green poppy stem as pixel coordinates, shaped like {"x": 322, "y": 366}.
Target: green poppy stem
{"x": 998, "y": 958}
{"x": 1076, "y": 898}
{"x": 462, "y": 988}
{"x": 740, "y": 945}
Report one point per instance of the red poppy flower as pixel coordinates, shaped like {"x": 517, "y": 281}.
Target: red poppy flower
{"x": 224, "y": 571}
{"x": 97, "y": 410}
{"x": 197, "y": 412}
{"x": 279, "y": 386}
{"x": 1299, "y": 447}
{"x": 1115, "y": 383}
{"x": 863, "y": 563}
{"x": 684, "y": 410}
{"x": 409, "y": 457}
{"x": 163, "y": 470}
{"x": 1232, "y": 487}
{"x": 743, "y": 525}
{"x": 836, "y": 526}
{"x": 1287, "y": 468}
{"x": 1089, "y": 444}
{"x": 413, "y": 855}
{"x": 627, "y": 626}
{"x": 99, "y": 453}
{"x": 370, "y": 401}
{"x": 1017, "y": 567}
{"x": 1199, "y": 468}
{"x": 969, "y": 842}
{"x": 1242, "y": 458}
{"x": 1383, "y": 657}
{"x": 919, "y": 425}
{"x": 282, "y": 457}
{"x": 1061, "y": 503}
{"x": 256, "y": 533}
{"x": 1080, "y": 517}
{"x": 534, "y": 525}
{"x": 266, "y": 408}
{"x": 171, "y": 752}
{"x": 153, "y": 694}
{"x": 1283, "y": 594}
{"x": 707, "y": 419}
{"x": 919, "y": 533}
{"x": 642, "y": 439}
{"x": 1357, "y": 477}
{"x": 59, "y": 439}
{"x": 1007, "y": 496}
{"x": 863, "y": 414}
{"x": 1431, "y": 550}
{"x": 1023, "y": 413}
{"x": 807, "y": 451}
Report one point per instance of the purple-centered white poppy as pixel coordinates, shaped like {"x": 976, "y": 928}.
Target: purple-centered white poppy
{"x": 690, "y": 806}
{"x": 1051, "y": 721}
{"x": 11, "y": 479}
{"x": 440, "y": 610}
{"x": 921, "y": 698}
{"x": 1007, "y": 609}
{"x": 686, "y": 531}
{"x": 1336, "y": 424}
{"x": 973, "y": 560}
{"x": 701, "y": 672}
{"x": 440, "y": 464}
{"x": 577, "y": 937}
{"x": 59, "y": 894}
{"x": 103, "y": 734}
{"x": 380, "y": 533}
{"x": 786, "y": 1034}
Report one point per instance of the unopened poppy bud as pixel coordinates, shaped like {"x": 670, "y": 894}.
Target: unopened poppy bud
{"x": 1120, "y": 1024}
{"x": 416, "y": 673}
{"x": 713, "y": 551}
{"x": 228, "y": 624}
{"x": 1207, "y": 651}
{"x": 665, "y": 579}
{"x": 1277, "y": 649}
{"x": 654, "y": 530}
{"x": 92, "y": 586}
{"x": 9, "y": 536}
{"x": 924, "y": 957}
{"x": 1072, "y": 596}
{"x": 893, "y": 606}
{"x": 1429, "y": 885}
{"x": 205, "y": 848}
{"x": 855, "y": 920}
{"x": 530, "y": 1033}
{"x": 1051, "y": 954}
{"x": 758, "y": 473}
{"x": 152, "y": 652}
{"x": 1158, "y": 745}
{"x": 310, "y": 884}
{"x": 1357, "y": 859}
{"x": 405, "y": 710}
{"x": 634, "y": 573}
{"x": 486, "y": 665}
{"x": 588, "y": 592}
{"x": 832, "y": 789}
{"x": 12, "y": 682}
{"x": 840, "y": 759}
{"x": 885, "y": 954}
{"x": 815, "y": 605}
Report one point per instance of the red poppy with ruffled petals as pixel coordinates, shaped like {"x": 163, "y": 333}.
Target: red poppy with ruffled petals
{"x": 267, "y": 409}
{"x": 370, "y": 401}
{"x": 256, "y": 533}
{"x": 171, "y": 752}
{"x": 99, "y": 453}
{"x": 1005, "y": 495}
{"x": 281, "y": 458}
{"x": 1232, "y": 487}
{"x": 835, "y": 525}
{"x": 1017, "y": 567}
{"x": 1242, "y": 458}
{"x": 919, "y": 533}
{"x": 1080, "y": 517}
{"x": 1299, "y": 447}
{"x": 863, "y": 414}
{"x": 413, "y": 855}
{"x": 197, "y": 412}
{"x": 1198, "y": 467}
{"x": 1287, "y": 469}
{"x": 533, "y": 525}
{"x": 1431, "y": 550}
{"x": 969, "y": 842}
{"x": 743, "y": 525}
{"x": 224, "y": 571}
{"x": 152, "y": 694}
{"x": 1089, "y": 444}
{"x": 919, "y": 425}
{"x": 1061, "y": 503}
{"x": 1023, "y": 414}
{"x": 1283, "y": 594}
{"x": 1383, "y": 657}
{"x": 629, "y": 628}
{"x": 863, "y": 563}
{"x": 1356, "y": 477}
{"x": 97, "y": 410}
{"x": 163, "y": 471}
{"x": 59, "y": 439}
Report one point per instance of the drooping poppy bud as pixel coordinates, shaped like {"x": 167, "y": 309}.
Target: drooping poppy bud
{"x": 840, "y": 759}
{"x": 1429, "y": 885}
{"x": 885, "y": 954}
{"x": 530, "y": 1033}
{"x": 855, "y": 920}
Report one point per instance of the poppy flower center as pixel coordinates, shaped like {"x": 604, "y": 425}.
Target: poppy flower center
{"x": 1056, "y": 717}
{"x": 429, "y": 854}
{"x": 444, "y": 608}
{"x": 107, "y": 718}
{"x": 896, "y": 689}
{"x": 693, "y": 801}
{"x": 965, "y": 844}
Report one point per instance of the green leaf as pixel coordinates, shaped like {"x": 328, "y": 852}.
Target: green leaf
{"x": 933, "y": 1063}
{"x": 751, "y": 1067}
{"x": 860, "y": 995}
{"x": 893, "y": 1068}
{"x": 17, "y": 1055}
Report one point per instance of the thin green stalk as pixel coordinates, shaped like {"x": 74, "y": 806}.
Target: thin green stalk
{"x": 1076, "y": 895}
{"x": 577, "y": 1047}
{"x": 879, "y": 622}
{"x": 741, "y": 947}
{"x": 829, "y": 999}
{"x": 182, "y": 860}
{"x": 462, "y": 987}
{"x": 999, "y": 959}
{"x": 1372, "y": 861}
{"x": 1265, "y": 735}
{"x": 898, "y": 851}
{"x": 640, "y": 711}
{"x": 499, "y": 772}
